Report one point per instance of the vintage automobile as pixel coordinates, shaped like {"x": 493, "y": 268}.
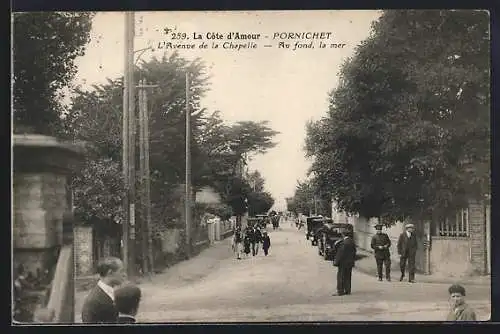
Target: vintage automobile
{"x": 318, "y": 229}
{"x": 313, "y": 224}
{"x": 328, "y": 236}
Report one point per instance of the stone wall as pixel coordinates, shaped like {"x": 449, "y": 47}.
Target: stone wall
{"x": 84, "y": 257}
{"x": 450, "y": 256}
{"x": 39, "y": 205}
{"x": 42, "y": 168}
{"x": 477, "y": 231}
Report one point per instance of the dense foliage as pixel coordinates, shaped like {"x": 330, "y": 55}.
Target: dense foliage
{"x": 45, "y": 46}
{"x": 407, "y": 130}
{"x": 95, "y": 117}
{"x": 259, "y": 201}
{"x": 226, "y": 150}
{"x": 308, "y": 199}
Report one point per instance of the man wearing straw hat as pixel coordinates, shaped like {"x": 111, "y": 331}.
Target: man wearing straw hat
{"x": 407, "y": 250}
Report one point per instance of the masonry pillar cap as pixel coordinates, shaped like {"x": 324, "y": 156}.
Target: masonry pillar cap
{"x": 38, "y": 152}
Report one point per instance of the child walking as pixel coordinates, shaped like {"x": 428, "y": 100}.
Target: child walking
{"x": 246, "y": 245}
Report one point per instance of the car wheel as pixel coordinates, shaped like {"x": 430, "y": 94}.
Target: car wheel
{"x": 326, "y": 256}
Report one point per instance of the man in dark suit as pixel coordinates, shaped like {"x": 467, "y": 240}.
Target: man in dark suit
{"x": 266, "y": 243}
{"x": 256, "y": 239}
{"x": 407, "y": 250}
{"x": 380, "y": 245}
{"x": 344, "y": 261}
{"x": 99, "y": 305}
{"x": 127, "y": 299}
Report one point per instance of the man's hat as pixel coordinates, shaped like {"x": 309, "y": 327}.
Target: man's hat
{"x": 410, "y": 226}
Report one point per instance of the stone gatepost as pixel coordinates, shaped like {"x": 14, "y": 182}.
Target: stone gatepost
{"x": 41, "y": 240}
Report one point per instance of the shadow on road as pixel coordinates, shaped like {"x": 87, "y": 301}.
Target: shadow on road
{"x": 360, "y": 256}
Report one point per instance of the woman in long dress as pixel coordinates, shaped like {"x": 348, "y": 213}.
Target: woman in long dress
{"x": 237, "y": 243}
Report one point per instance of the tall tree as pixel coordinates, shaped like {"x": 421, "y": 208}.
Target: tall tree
{"x": 259, "y": 202}
{"x": 96, "y": 117}
{"x": 45, "y": 46}
{"x": 409, "y": 115}
{"x": 225, "y": 147}
{"x": 256, "y": 181}
{"x": 303, "y": 199}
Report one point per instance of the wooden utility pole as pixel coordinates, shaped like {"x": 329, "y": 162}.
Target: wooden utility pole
{"x": 131, "y": 140}
{"x": 187, "y": 200}
{"x": 142, "y": 177}
{"x": 125, "y": 146}
{"x": 148, "y": 185}
{"x": 146, "y": 235}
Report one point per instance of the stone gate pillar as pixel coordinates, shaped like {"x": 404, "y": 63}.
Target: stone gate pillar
{"x": 41, "y": 177}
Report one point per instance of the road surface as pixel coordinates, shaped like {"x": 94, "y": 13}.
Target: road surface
{"x": 291, "y": 284}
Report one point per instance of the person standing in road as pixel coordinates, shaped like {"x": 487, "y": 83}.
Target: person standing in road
{"x": 266, "y": 243}
{"x": 344, "y": 261}
{"x": 460, "y": 311}
{"x": 237, "y": 240}
{"x": 380, "y": 245}
{"x": 255, "y": 239}
{"x": 407, "y": 250}
{"x": 251, "y": 237}
{"x": 246, "y": 244}
{"x": 99, "y": 306}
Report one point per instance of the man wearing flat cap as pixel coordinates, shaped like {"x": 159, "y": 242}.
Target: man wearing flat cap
{"x": 380, "y": 245}
{"x": 407, "y": 250}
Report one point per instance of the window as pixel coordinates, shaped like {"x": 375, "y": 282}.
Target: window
{"x": 457, "y": 226}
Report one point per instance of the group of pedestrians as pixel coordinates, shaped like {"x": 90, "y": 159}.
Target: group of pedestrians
{"x": 406, "y": 247}
{"x": 345, "y": 257}
{"x": 111, "y": 301}
{"x": 249, "y": 241}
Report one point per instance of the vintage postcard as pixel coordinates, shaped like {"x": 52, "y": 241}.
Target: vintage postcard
{"x": 251, "y": 166}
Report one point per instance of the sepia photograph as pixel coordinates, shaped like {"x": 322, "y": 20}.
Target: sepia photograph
{"x": 250, "y": 166}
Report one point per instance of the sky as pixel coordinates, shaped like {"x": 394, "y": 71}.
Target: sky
{"x": 283, "y": 86}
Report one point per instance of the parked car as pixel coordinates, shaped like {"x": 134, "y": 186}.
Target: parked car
{"x": 319, "y": 229}
{"x": 313, "y": 224}
{"x": 328, "y": 237}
